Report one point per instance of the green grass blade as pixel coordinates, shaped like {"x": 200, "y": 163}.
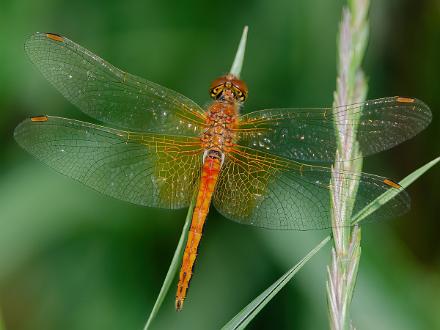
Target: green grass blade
{"x": 235, "y": 70}
{"x": 239, "y": 56}
{"x": 242, "y": 319}
{"x": 174, "y": 267}
{"x": 385, "y": 197}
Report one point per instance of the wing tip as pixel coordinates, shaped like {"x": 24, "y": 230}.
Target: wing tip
{"x": 31, "y": 120}
{"x": 392, "y": 184}
{"x": 54, "y": 36}
{"x": 50, "y": 35}
{"x": 417, "y": 105}
{"x": 39, "y": 118}
{"x": 38, "y": 36}
{"x": 402, "y": 99}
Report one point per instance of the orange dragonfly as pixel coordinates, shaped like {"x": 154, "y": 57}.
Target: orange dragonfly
{"x": 260, "y": 168}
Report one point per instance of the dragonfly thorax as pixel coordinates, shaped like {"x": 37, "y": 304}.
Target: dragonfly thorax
{"x": 221, "y": 120}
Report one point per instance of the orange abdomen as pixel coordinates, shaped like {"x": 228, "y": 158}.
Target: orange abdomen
{"x": 208, "y": 180}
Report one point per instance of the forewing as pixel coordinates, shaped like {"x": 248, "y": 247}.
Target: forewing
{"x": 109, "y": 94}
{"x": 309, "y": 134}
{"x": 263, "y": 190}
{"x": 146, "y": 169}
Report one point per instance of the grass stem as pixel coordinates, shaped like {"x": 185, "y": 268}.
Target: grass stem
{"x": 239, "y": 55}
{"x": 351, "y": 87}
{"x": 235, "y": 70}
{"x": 174, "y": 267}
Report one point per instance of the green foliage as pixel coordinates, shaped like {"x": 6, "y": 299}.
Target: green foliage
{"x": 246, "y": 315}
{"x": 242, "y": 319}
{"x": 174, "y": 267}
{"x": 239, "y": 56}
{"x": 378, "y": 202}
{"x": 351, "y": 87}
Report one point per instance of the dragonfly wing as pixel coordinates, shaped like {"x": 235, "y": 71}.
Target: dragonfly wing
{"x": 146, "y": 169}
{"x": 263, "y": 190}
{"x": 309, "y": 134}
{"x": 109, "y": 94}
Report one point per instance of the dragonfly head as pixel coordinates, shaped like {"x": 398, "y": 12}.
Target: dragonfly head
{"x": 228, "y": 88}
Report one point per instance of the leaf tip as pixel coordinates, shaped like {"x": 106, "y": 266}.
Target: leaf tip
{"x": 239, "y": 56}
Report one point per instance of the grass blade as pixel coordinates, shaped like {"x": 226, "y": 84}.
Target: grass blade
{"x": 385, "y": 197}
{"x": 239, "y": 56}
{"x": 235, "y": 70}
{"x": 242, "y": 319}
{"x": 174, "y": 267}
{"x": 252, "y": 309}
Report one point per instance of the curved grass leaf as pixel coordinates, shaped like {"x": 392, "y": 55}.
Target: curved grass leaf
{"x": 385, "y": 197}
{"x": 174, "y": 267}
{"x": 242, "y": 319}
{"x": 239, "y": 56}
{"x": 235, "y": 70}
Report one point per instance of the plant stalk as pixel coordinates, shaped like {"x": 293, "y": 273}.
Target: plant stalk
{"x": 351, "y": 87}
{"x": 173, "y": 269}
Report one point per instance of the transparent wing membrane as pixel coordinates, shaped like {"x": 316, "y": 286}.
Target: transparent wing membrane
{"x": 109, "y": 94}
{"x": 309, "y": 134}
{"x": 260, "y": 189}
{"x": 145, "y": 169}
{"x": 261, "y": 182}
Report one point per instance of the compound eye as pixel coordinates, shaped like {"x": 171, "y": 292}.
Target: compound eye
{"x": 241, "y": 90}
{"x": 239, "y": 95}
{"x": 216, "y": 91}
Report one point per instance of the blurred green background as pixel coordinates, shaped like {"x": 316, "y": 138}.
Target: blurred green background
{"x": 73, "y": 259}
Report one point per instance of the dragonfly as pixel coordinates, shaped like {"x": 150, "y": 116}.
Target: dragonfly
{"x": 157, "y": 148}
